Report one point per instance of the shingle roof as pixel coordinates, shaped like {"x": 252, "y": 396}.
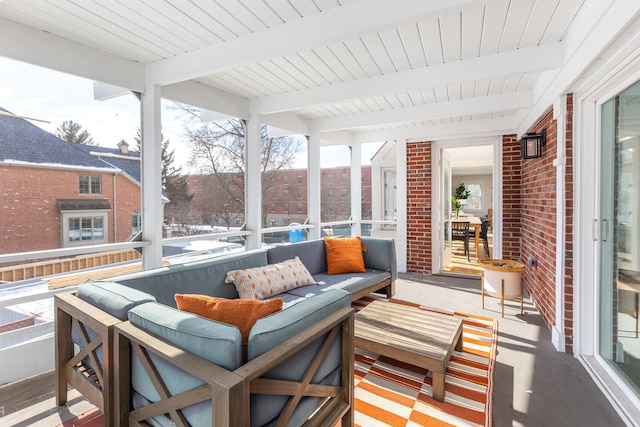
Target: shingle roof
{"x": 21, "y": 141}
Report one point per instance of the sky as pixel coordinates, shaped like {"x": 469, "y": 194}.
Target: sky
{"x": 36, "y": 92}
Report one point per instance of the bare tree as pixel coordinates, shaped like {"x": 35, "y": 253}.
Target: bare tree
{"x": 219, "y": 149}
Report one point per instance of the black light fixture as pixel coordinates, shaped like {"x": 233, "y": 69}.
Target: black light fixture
{"x": 531, "y": 144}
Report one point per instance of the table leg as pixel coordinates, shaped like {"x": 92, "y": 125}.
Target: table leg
{"x": 477, "y": 239}
{"x": 437, "y": 380}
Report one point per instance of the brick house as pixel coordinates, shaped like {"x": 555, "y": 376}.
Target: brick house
{"x": 55, "y": 194}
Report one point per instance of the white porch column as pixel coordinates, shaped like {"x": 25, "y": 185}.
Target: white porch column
{"x": 356, "y": 188}
{"x": 313, "y": 183}
{"x": 401, "y": 208}
{"x": 253, "y": 182}
{"x": 152, "y": 209}
{"x": 559, "y": 111}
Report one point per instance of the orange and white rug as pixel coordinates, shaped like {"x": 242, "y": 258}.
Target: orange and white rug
{"x": 391, "y": 393}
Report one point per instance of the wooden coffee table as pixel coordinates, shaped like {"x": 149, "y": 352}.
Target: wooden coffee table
{"x": 411, "y": 335}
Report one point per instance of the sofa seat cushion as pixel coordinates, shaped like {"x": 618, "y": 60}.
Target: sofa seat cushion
{"x": 240, "y": 312}
{"x": 271, "y": 279}
{"x": 350, "y": 282}
{"x": 112, "y": 297}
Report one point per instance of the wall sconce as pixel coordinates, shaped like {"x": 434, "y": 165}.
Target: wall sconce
{"x": 531, "y": 144}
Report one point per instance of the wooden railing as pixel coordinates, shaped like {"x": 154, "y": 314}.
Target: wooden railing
{"x": 65, "y": 265}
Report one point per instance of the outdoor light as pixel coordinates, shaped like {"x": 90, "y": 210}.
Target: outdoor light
{"x": 531, "y": 144}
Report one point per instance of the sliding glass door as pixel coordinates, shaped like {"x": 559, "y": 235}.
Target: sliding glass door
{"x": 619, "y": 225}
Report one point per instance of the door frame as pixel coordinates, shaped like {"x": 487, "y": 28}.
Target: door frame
{"x": 437, "y": 196}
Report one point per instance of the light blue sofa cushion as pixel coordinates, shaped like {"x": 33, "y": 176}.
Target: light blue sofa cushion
{"x": 214, "y": 341}
{"x": 114, "y": 298}
{"x": 311, "y": 253}
{"x": 350, "y": 282}
{"x": 273, "y": 330}
{"x": 381, "y": 255}
{"x": 205, "y": 277}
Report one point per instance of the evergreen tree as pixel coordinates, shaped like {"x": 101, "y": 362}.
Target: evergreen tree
{"x": 71, "y": 131}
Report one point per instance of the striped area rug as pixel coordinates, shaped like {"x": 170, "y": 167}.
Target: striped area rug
{"x": 391, "y": 393}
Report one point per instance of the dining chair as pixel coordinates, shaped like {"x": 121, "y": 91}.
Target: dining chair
{"x": 484, "y": 230}
{"x": 460, "y": 232}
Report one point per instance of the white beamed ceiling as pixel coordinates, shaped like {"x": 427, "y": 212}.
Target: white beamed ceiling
{"x": 375, "y": 68}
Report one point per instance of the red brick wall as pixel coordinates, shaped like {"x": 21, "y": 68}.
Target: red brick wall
{"x": 511, "y": 198}
{"x": 29, "y": 215}
{"x": 568, "y": 237}
{"x": 419, "y": 208}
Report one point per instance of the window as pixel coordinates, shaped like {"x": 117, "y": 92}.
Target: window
{"x": 474, "y": 202}
{"x": 299, "y": 180}
{"x": 299, "y": 208}
{"x": 344, "y": 178}
{"x": 330, "y": 194}
{"x": 344, "y": 192}
{"x": 361, "y": 177}
{"x": 86, "y": 228}
{"x": 136, "y": 222}
{"x": 299, "y": 194}
{"x": 286, "y": 179}
{"x": 286, "y": 208}
{"x": 273, "y": 222}
{"x": 331, "y": 179}
{"x": 285, "y": 193}
{"x": 273, "y": 207}
{"x": 90, "y": 184}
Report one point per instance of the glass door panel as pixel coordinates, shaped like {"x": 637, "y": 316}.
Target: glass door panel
{"x": 619, "y": 236}
{"x": 445, "y": 221}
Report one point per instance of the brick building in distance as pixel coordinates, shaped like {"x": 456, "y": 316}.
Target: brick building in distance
{"x": 55, "y": 194}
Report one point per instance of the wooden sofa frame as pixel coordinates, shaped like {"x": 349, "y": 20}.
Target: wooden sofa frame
{"x": 95, "y": 381}
{"x": 229, "y": 391}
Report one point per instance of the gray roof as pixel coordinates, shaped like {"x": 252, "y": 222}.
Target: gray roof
{"x": 21, "y": 141}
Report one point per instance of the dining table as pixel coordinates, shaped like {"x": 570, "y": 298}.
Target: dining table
{"x": 474, "y": 222}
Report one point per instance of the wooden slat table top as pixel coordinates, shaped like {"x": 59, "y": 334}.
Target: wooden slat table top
{"x": 407, "y": 334}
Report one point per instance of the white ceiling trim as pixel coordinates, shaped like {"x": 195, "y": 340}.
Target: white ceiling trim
{"x": 207, "y": 97}
{"x": 440, "y": 110}
{"x": 470, "y": 129}
{"x": 528, "y": 60}
{"x": 36, "y": 47}
{"x": 339, "y": 23}
{"x": 596, "y": 26}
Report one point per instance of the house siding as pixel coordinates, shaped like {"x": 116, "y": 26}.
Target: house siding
{"x": 29, "y": 214}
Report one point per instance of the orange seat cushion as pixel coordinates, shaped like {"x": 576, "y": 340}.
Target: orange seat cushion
{"x": 242, "y": 313}
{"x": 344, "y": 255}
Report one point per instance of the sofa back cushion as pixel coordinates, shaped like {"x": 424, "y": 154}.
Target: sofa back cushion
{"x": 311, "y": 253}
{"x": 112, "y": 297}
{"x": 206, "y": 277}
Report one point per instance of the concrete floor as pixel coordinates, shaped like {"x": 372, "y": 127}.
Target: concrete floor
{"x": 534, "y": 384}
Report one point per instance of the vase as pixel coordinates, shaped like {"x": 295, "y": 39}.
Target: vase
{"x": 457, "y": 213}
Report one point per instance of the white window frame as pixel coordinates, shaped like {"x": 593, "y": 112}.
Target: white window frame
{"x": 67, "y": 215}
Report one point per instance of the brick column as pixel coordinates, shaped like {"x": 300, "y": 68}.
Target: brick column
{"x": 419, "y": 208}
{"x": 511, "y": 198}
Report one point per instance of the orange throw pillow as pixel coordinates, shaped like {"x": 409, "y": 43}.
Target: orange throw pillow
{"x": 242, "y": 313}
{"x": 344, "y": 255}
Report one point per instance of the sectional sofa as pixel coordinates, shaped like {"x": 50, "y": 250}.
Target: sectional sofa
{"x": 127, "y": 348}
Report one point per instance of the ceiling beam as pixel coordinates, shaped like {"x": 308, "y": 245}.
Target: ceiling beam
{"x": 435, "y": 111}
{"x": 339, "y": 23}
{"x": 529, "y": 60}
{"x": 43, "y": 49}
{"x": 457, "y": 130}
{"x": 207, "y": 97}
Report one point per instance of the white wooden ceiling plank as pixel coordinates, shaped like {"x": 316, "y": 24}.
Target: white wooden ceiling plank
{"x": 528, "y": 81}
{"x": 511, "y": 83}
{"x": 226, "y": 82}
{"x": 263, "y": 12}
{"x": 347, "y": 59}
{"x": 482, "y": 87}
{"x": 312, "y": 74}
{"x": 361, "y": 106}
{"x": 428, "y": 96}
{"x": 517, "y": 19}
{"x": 431, "y": 40}
{"x": 496, "y": 86}
{"x": 243, "y": 14}
{"x": 204, "y": 27}
{"x": 412, "y": 44}
{"x": 285, "y": 76}
{"x": 405, "y": 100}
{"x": 454, "y": 92}
{"x": 327, "y": 4}
{"x": 378, "y": 53}
{"x": 451, "y": 36}
{"x": 242, "y": 79}
{"x": 287, "y": 67}
{"x": 541, "y": 14}
{"x": 468, "y": 89}
{"x": 363, "y": 57}
{"x": 333, "y": 63}
{"x": 316, "y": 63}
{"x": 494, "y": 22}
{"x": 393, "y": 101}
{"x": 472, "y": 24}
{"x": 305, "y": 7}
{"x": 227, "y": 24}
{"x": 121, "y": 26}
{"x": 162, "y": 16}
{"x": 158, "y": 24}
{"x": 371, "y": 104}
{"x": 416, "y": 97}
{"x": 283, "y": 9}
{"x": 273, "y": 81}
{"x": 441, "y": 94}
{"x": 70, "y": 27}
{"x": 561, "y": 21}
{"x": 395, "y": 49}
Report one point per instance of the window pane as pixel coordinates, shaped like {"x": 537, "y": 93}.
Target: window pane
{"x": 98, "y": 229}
{"x": 74, "y": 229}
{"x": 96, "y": 185}
{"x": 84, "y": 184}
